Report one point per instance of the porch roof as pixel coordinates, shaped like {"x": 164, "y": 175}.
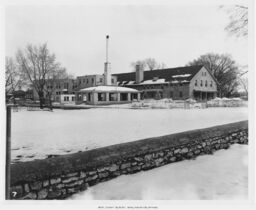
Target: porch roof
{"x": 108, "y": 89}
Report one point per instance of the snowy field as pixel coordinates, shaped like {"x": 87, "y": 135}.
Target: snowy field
{"x": 37, "y": 134}
{"x": 208, "y": 177}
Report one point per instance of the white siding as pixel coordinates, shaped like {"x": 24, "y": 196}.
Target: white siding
{"x": 203, "y": 75}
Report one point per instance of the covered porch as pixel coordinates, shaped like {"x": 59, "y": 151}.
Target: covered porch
{"x": 204, "y": 95}
{"x": 102, "y": 95}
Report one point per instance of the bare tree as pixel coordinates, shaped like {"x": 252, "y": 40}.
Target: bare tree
{"x": 223, "y": 68}
{"x": 244, "y": 84}
{"x": 139, "y": 62}
{"x": 151, "y": 63}
{"x": 238, "y": 16}
{"x": 12, "y": 76}
{"x": 148, "y": 64}
{"x": 38, "y": 65}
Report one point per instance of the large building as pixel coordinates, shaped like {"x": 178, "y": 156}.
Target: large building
{"x": 177, "y": 83}
{"x": 57, "y": 88}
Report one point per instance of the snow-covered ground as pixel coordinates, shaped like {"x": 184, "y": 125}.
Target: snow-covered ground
{"x": 208, "y": 177}
{"x": 36, "y": 134}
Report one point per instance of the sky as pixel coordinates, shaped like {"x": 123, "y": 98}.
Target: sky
{"x": 173, "y": 34}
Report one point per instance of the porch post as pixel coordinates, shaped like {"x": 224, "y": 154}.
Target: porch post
{"x": 107, "y": 96}
{"x": 128, "y": 96}
{"x": 138, "y": 96}
{"x": 94, "y": 98}
{"x": 118, "y": 96}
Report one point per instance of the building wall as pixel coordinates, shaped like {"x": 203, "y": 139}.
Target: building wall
{"x": 67, "y": 98}
{"x": 176, "y": 91}
{"x": 57, "y": 88}
{"x": 203, "y": 75}
{"x": 93, "y": 80}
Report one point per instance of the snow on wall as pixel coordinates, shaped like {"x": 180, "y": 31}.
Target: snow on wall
{"x": 61, "y": 177}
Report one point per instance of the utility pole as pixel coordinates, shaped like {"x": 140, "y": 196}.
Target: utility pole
{"x": 8, "y": 153}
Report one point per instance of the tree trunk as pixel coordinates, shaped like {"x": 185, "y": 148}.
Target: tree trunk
{"x": 50, "y": 102}
{"x": 41, "y": 99}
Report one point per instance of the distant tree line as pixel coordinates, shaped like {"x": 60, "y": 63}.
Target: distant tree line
{"x": 148, "y": 64}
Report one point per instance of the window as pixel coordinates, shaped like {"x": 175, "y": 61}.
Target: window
{"x": 211, "y": 84}
{"x": 113, "y": 96}
{"x": 101, "y": 96}
{"x": 112, "y": 81}
{"x": 83, "y": 80}
{"x": 171, "y": 94}
{"x": 181, "y": 95}
{"x": 201, "y": 84}
{"x": 87, "y": 81}
{"x": 101, "y": 80}
{"x": 73, "y": 98}
{"x": 196, "y": 83}
{"x": 92, "y": 80}
{"x": 67, "y": 98}
{"x": 206, "y": 84}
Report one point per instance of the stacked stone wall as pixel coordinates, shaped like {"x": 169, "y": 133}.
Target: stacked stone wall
{"x": 60, "y": 177}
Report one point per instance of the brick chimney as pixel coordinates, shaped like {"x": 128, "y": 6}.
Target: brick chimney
{"x": 139, "y": 74}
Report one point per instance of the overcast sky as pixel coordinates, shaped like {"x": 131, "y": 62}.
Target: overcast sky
{"x": 174, "y": 35}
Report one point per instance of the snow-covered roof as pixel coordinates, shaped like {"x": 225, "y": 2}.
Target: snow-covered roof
{"x": 109, "y": 89}
{"x": 175, "y": 81}
{"x": 130, "y": 82}
{"x": 158, "y": 81}
{"x": 64, "y": 90}
{"x": 237, "y": 99}
{"x": 181, "y": 75}
{"x": 183, "y": 81}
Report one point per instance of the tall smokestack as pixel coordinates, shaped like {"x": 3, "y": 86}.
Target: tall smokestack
{"x": 107, "y": 72}
{"x": 139, "y": 74}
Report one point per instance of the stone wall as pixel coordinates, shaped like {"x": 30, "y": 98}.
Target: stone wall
{"x": 60, "y": 177}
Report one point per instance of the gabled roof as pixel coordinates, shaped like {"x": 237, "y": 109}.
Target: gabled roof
{"x": 170, "y": 74}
